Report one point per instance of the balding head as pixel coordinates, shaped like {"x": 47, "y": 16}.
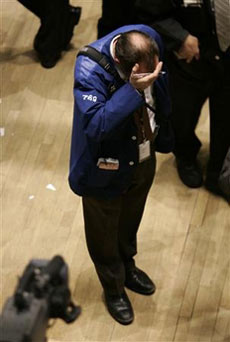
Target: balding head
{"x": 139, "y": 40}
{"x": 135, "y": 47}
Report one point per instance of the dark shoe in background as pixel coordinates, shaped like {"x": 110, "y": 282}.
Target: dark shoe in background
{"x": 138, "y": 281}
{"x": 190, "y": 173}
{"x": 119, "y": 307}
{"x": 51, "y": 41}
{"x": 212, "y": 185}
{"x": 49, "y": 61}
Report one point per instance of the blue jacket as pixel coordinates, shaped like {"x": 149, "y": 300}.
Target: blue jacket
{"x": 103, "y": 124}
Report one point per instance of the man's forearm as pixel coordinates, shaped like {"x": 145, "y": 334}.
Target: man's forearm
{"x": 172, "y": 33}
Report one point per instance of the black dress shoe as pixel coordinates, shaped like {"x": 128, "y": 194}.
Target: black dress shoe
{"x": 119, "y": 308}
{"x": 189, "y": 173}
{"x": 49, "y": 61}
{"x": 138, "y": 281}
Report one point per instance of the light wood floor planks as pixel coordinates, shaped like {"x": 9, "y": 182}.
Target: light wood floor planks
{"x": 184, "y": 239}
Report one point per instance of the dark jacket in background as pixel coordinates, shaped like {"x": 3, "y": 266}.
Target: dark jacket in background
{"x": 191, "y": 84}
{"x": 174, "y": 21}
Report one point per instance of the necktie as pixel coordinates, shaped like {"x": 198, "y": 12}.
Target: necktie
{"x": 222, "y": 15}
{"x": 144, "y": 130}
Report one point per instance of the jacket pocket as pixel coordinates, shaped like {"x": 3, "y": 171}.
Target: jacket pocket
{"x": 101, "y": 178}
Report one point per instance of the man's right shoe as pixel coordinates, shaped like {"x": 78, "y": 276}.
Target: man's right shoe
{"x": 119, "y": 307}
{"x": 190, "y": 173}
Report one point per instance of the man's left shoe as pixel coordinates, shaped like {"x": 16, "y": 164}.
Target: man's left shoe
{"x": 138, "y": 281}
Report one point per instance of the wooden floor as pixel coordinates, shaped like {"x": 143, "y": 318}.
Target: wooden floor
{"x": 184, "y": 239}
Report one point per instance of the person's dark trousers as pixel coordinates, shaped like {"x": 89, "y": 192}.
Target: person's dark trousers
{"x": 57, "y": 23}
{"x": 111, "y": 227}
{"x": 190, "y": 86}
{"x": 115, "y": 13}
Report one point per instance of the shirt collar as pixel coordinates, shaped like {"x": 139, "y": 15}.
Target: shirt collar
{"x": 112, "y": 53}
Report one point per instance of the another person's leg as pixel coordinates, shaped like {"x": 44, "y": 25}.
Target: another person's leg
{"x": 114, "y": 15}
{"x": 57, "y": 25}
{"x": 58, "y": 19}
{"x": 224, "y": 178}
{"x": 188, "y": 96}
{"x": 36, "y": 7}
{"x": 219, "y": 129}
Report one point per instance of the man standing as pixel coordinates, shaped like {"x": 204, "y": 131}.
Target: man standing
{"x": 196, "y": 34}
{"x": 112, "y": 162}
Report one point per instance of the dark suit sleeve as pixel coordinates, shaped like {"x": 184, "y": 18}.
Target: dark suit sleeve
{"x": 161, "y": 15}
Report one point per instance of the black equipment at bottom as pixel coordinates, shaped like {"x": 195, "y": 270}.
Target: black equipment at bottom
{"x": 42, "y": 293}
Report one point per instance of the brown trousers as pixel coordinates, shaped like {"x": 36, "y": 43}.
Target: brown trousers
{"x": 111, "y": 228}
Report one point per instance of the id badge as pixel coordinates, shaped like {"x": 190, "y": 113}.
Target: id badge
{"x": 144, "y": 151}
{"x": 108, "y": 164}
{"x": 192, "y": 3}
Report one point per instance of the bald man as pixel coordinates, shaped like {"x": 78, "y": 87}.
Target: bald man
{"x": 113, "y": 161}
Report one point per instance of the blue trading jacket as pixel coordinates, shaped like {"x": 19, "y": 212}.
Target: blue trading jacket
{"x": 103, "y": 124}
